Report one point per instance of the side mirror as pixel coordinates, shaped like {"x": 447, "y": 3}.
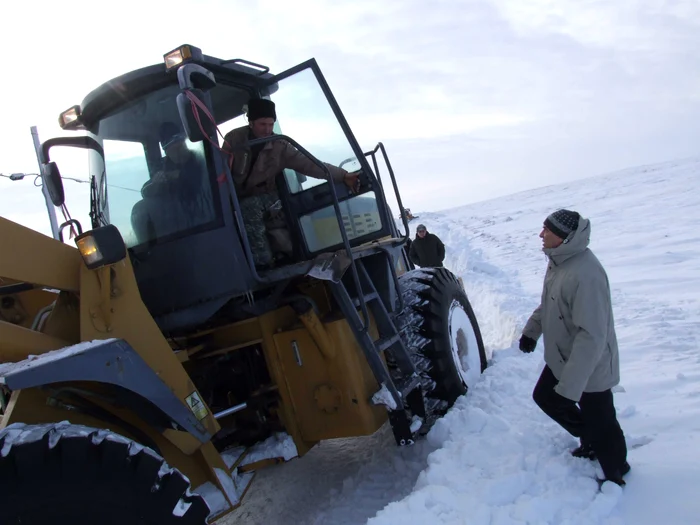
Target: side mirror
{"x": 194, "y": 80}
{"x": 54, "y": 183}
{"x": 49, "y": 170}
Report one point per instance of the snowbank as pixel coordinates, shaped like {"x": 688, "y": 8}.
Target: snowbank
{"x": 495, "y": 458}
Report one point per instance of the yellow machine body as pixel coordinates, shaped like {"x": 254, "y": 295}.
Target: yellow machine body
{"x": 323, "y": 381}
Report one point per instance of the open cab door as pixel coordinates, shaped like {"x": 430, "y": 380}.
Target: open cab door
{"x": 308, "y": 113}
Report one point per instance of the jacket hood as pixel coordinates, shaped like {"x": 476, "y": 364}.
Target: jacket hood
{"x": 576, "y": 243}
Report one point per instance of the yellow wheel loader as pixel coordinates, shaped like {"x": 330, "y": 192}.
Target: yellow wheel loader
{"x": 149, "y": 367}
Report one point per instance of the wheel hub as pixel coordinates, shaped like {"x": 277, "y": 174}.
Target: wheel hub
{"x": 465, "y": 350}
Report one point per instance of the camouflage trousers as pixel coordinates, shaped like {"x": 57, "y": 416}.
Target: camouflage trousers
{"x": 266, "y": 228}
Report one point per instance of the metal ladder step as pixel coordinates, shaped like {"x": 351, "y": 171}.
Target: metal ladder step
{"x": 367, "y": 298}
{"x": 403, "y": 387}
{"x": 406, "y": 385}
{"x": 386, "y": 342}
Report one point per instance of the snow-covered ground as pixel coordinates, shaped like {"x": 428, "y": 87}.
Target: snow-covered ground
{"x": 495, "y": 458}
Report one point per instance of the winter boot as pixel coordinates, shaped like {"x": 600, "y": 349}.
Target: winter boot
{"x": 617, "y": 477}
{"x": 584, "y": 451}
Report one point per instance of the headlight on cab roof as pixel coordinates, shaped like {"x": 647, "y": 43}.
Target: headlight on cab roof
{"x": 70, "y": 118}
{"x": 180, "y": 55}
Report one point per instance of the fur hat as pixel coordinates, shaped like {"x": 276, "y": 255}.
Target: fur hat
{"x": 261, "y": 108}
{"x": 562, "y": 222}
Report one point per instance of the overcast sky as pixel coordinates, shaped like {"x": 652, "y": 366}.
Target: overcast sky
{"x": 472, "y": 98}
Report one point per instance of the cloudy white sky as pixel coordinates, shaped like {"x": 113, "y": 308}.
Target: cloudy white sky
{"x": 472, "y": 98}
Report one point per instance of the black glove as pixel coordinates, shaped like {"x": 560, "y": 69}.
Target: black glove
{"x": 527, "y": 344}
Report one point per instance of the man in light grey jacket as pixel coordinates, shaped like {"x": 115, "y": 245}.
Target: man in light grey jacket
{"x": 576, "y": 321}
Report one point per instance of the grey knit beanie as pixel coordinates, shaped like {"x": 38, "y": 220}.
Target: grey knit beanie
{"x": 562, "y": 222}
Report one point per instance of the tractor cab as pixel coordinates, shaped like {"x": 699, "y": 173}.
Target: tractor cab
{"x": 155, "y": 138}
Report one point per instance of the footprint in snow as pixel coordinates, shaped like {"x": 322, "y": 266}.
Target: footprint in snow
{"x": 637, "y": 442}
{"x": 628, "y": 412}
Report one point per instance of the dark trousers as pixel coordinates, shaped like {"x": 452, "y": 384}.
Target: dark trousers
{"x": 593, "y": 420}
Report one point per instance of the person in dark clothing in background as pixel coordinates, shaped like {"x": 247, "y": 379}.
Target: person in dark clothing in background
{"x": 427, "y": 250}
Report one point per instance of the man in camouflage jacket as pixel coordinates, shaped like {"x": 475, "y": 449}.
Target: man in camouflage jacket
{"x": 254, "y": 171}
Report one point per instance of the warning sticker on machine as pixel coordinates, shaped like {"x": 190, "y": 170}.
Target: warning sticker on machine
{"x": 198, "y": 408}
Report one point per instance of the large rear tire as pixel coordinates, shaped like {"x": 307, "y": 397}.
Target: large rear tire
{"x": 62, "y": 473}
{"x": 442, "y": 336}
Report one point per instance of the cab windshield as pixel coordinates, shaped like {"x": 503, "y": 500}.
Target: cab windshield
{"x": 157, "y": 185}
{"x": 155, "y": 182}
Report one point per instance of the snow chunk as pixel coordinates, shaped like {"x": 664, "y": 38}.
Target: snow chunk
{"x": 416, "y": 423}
{"x": 181, "y": 507}
{"x": 384, "y": 397}
{"x": 234, "y": 485}
{"x": 213, "y": 497}
{"x": 164, "y": 470}
{"x": 228, "y": 484}
{"x": 279, "y": 445}
{"x": 231, "y": 455}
